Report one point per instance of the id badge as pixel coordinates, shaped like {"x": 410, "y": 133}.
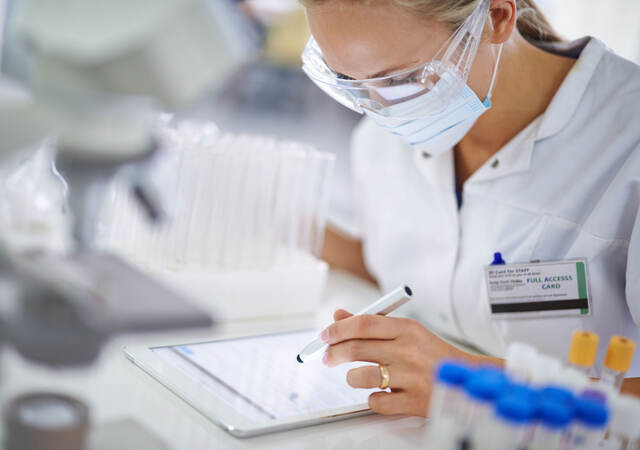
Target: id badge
{"x": 535, "y": 290}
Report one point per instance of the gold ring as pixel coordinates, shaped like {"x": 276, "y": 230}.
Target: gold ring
{"x": 384, "y": 375}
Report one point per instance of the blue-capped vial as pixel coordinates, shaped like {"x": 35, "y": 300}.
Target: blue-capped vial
{"x": 554, "y": 417}
{"x": 557, "y": 394}
{"x": 522, "y": 390}
{"x": 486, "y": 384}
{"x": 590, "y": 425}
{"x": 452, "y": 373}
{"x": 447, "y": 396}
{"x": 448, "y": 405}
{"x": 516, "y": 408}
{"x": 510, "y": 427}
{"x": 483, "y": 387}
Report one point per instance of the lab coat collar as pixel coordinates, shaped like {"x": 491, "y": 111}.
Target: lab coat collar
{"x": 589, "y": 52}
{"x": 516, "y": 155}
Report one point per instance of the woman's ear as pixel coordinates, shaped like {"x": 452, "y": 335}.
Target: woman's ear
{"x": 504, "y": 16}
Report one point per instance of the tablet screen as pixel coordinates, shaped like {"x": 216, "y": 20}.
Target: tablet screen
{"x": 260, "y": 378}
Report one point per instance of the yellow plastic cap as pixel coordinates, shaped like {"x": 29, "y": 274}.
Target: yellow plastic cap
{"x": 584, "y": 347}
{"x": 619, "y": 353}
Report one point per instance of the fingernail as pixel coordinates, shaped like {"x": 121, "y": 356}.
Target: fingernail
{"x": 324, "y": 336}
{"x": 325, "y": 359}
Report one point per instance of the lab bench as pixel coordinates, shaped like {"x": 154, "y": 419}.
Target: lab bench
{"x": 122, "y": 397}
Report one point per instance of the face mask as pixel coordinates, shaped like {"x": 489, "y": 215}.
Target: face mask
{"x": 436, "y": 134}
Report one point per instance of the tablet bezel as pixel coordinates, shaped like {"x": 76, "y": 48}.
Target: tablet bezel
{"x": 219, "y": 412}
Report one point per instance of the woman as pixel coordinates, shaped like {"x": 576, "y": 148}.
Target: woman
{"x": 484, "y": 133}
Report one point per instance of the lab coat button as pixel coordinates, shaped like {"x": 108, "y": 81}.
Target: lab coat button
{"x": 426, "y": 155}
{"x": 495, "y": 164}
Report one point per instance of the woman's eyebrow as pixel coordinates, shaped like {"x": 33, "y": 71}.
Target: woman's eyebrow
{"x": 384, "y": 73}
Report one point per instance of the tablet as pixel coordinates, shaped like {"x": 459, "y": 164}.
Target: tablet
{"x": 254, "y": 385}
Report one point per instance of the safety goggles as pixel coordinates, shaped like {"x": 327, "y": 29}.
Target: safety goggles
{"x": 442, "y": 78}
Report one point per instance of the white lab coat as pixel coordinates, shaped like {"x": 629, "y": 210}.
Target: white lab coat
{"x": 567, "y": 186}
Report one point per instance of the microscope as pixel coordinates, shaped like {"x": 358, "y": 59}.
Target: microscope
{"x": 98, "y": 74}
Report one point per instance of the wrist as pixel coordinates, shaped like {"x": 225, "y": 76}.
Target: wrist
{"x": 486, "y": 360}
{"x": 479, "y": 360}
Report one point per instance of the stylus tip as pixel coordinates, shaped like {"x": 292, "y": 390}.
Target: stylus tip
{"x": 299, "y": 359}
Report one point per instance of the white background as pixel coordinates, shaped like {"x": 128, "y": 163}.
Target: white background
{"x": 615, "y": 22}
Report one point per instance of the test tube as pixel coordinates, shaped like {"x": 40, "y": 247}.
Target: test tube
{"x": 447, "y": 395}
{"x": 447, "y": 402}
{"x": 241, "y": 203}
{"x": 591, "y": 418}
{"x": 514, "y": 418}
{"x": 625, "y": 423}
{"x": 520, "y": 361}
{"x": 327, "y": 163}
{"x": 248, "y": 205}
{"x": 617, "y": 361}
{"x": 208, "y": 204}
{"x": 582, "y": 354}
{"x": 222, "y": 203}
{"x": 308, "y": 194}
{"x": 483, "y": 387}
{"x": 571, "y": 378}
{"x": 269, "y": 178}
{"x": 554, "y": 415}
{"x": 545, "y": 370}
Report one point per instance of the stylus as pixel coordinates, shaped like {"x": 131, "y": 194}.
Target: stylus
{"x": 390, "y": 302}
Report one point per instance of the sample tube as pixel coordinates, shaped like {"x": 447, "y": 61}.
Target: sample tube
{"x": 546, "y": 369}
{"x": 447, "y": 390}
{"x": 520, "y": 361}
{"x": 483, "y": 387}
{"x": 447, "y": 403}
{"x": 571, "y": 378}
{"x": 625, "y": 423}
{"x": 617, "y": 361}
{"x": 584, "y": 347}
{"x": 554, "y": 416}
{"x": 514, "y": 417}
{"x": 591, "y": 424}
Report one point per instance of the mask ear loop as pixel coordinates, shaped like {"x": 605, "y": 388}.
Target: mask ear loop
{"x": 495, "y": 73}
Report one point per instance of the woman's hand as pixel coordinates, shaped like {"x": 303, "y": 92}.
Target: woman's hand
{"x": 408, "y": 349}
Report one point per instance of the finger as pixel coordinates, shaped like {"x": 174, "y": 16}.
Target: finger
{"x": 367, "y": 326}
{"x": 369, "y": 377}
{"x": 369, "y": 350}
{"x": 341, "y": 314}
{"x": 390, "y": 402}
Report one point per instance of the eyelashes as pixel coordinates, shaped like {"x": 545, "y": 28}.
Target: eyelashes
{"x": 344, "y": 77}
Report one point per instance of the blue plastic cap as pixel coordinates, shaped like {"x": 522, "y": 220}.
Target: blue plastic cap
{"x": 591, "y": 413}
{"x": 453, "y": 373}
{"x": 516, "y": 408}
{"x": 557, "y": 394}
{"x": 554, "y": 414}
{"x": 497, "y": 260}
{"x": 486, "y": 384}
{"x": 522, "y": 390}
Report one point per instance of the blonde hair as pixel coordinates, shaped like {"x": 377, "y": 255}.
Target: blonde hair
{"x": 532, "y": 23}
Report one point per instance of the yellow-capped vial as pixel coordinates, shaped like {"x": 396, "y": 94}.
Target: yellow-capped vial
{"x": 619, "y": 353}
{"x": 617, "y": 361}
{"x": 584, "y": 347}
